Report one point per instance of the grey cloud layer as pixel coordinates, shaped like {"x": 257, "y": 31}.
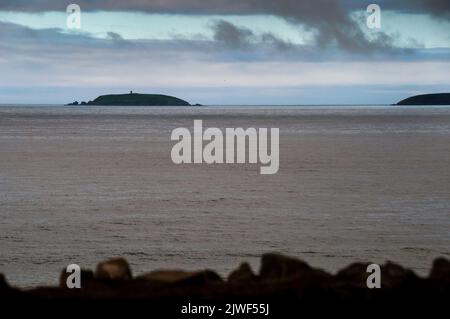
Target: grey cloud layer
{"x": 234, "y": 37}
{"x": 231, "y": 44}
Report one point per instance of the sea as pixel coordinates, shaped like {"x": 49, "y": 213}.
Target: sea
{"x": 81, "y": 184}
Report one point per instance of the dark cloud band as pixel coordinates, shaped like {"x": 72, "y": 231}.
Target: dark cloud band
{"x": 236, "y": 7}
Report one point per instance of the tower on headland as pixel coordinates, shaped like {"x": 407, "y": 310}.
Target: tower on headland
{"x": 131, "y": 92}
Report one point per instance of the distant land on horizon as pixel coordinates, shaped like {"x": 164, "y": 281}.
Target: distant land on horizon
{"x": 427, "y": 99}
{"x": 135, "y": 99}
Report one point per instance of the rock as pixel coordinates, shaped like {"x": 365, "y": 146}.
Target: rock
{"x": 276, "y": 266}
{"x": 281, "y": 279}
{"x": 243, "y": 273}
{"x": 3, "y": 283}
{"x": 178, "y": 277}
{"x": 440, "y": 270}
{"x": 87, "y": 277}
{"x": 115, "y": 269}
{"x": 355, "y": 275}
{"x": 394, "y": 275}
{"x": 9, "y": 294}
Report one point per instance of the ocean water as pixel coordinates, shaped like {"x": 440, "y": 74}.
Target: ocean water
{"x": 356, "y": 183}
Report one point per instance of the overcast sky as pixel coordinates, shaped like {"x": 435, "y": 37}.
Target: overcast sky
{"x": 225, "y": 51}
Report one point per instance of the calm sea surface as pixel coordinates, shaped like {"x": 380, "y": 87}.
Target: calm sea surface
{"x": 83, "y": 184}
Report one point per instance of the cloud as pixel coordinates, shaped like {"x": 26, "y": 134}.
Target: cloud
{"x": 231, "y": 35}
{"x": 114, "y": 36}
{"x": 235, "y": 37}
{"x": 22, "y": 46}
{"x": 435, "y": 8}
{"x": 438, "y": 8}
{"x": 118, "y": 40}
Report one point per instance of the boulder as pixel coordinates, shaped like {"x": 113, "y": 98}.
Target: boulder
{"x": 178, "y": 277}
{"x": 3, "y": 283}
{"x": 114, "y": 269}
{"x": 243, "y": 273}
{"x": 440, "y": 270}
{"x": 276, "y": 267}
{"x": 392, "y": 275}
{"x": 395, "y": 276}
{"x": 354, "y": 275}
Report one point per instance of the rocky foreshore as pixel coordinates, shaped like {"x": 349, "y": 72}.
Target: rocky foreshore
{"x": 281, "y": 279}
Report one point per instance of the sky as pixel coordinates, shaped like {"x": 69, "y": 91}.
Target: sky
{"x": 225, "y": 52}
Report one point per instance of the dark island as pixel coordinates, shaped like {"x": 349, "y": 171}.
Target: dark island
{"x": 135, "y": 99}
{"x": 427, "y": 99}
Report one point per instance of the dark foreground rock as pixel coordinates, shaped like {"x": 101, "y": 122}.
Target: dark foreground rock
{"x": 181, "y": 278}
{"x": 242, "y": 274}
{"x": 115, "y": 269}
{"x": 440, "y": 270}
{"x": 288, "y": 284}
